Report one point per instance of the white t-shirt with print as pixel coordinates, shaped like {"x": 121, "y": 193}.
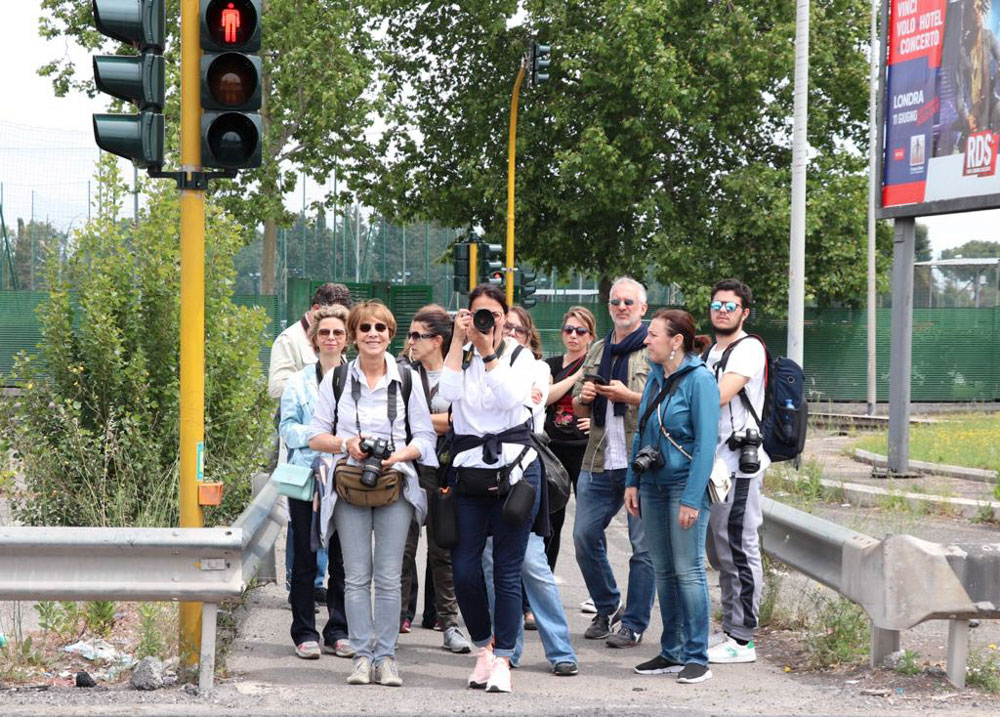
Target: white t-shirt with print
{"x": 748, "y": 359}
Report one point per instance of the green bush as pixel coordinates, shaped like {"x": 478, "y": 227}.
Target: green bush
{"x": 96, "y": 426}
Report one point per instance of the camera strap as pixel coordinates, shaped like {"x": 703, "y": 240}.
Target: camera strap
{"x": 666, "y": 434}
{"x": 669, "y": 389}
{"x": 391, "y": 408}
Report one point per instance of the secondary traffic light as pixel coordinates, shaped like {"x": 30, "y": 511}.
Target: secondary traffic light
{"x": 135, "y": 78}
{"x": 540, "y": 61}
{"x": 491, "y": 263}
{"x": 528, "y": 288}
{"x": 230, "y": 84}
{"x": 460, "y": 257}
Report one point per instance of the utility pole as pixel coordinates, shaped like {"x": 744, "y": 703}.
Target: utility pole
{"x": 871, "y": 372}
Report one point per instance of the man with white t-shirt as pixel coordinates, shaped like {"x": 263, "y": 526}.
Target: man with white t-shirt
{"x": 733, "y": 547}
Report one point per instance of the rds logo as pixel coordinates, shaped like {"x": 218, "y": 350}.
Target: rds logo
{"x": 981, "y": 154}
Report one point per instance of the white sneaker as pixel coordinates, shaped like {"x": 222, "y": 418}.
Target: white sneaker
{"x": 483, "y": 669}
{"x": 387, "y": 674}
{"x": 587, "y": 607}
{"x": 499, "y": 676}
{"x": 731, "y": 651}
{"x": 454, "y": 641}
{"x": 361, "y": 674}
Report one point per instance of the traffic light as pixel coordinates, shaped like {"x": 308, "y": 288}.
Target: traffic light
{"x": 491, "y": 263}
{"x": 540, "y": 61}
{"x": 460, "y": 257}
{"x": 135, "y": 78}
{"x": 230, "y": 84}
{"x": 528, "y": 288}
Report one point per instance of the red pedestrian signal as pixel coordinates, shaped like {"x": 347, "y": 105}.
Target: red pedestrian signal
{"x": 231, "y": 24}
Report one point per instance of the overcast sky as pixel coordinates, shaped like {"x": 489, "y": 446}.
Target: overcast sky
{"x": 46, "y": 143}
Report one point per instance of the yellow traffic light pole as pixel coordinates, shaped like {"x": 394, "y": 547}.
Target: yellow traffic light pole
{"x": 512, "y": 145}
{"x": 192, "y": 369}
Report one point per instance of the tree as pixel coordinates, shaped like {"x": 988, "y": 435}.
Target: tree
{"x": 922, "y": 246}
{"x": 971, "y": 286}
{"x": 660, "y": 148}
{"x": 316, "y": 71}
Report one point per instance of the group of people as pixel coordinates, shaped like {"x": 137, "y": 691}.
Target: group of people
{"x": 456, "y": 427}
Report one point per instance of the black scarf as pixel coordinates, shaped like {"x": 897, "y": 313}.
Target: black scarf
{"x": 614, "y": 366}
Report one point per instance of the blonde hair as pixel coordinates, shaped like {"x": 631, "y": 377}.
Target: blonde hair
{"x": 334, "y": 311}
{"x": 584, "y": 316}
{"x": 372, "y": 309}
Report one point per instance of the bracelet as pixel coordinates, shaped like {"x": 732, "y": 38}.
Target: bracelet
{"x": 492, "y": 357}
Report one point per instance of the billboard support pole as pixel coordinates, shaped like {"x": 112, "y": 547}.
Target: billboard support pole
{"x": 873, "y": 150}
{"x": 904, "y": 238}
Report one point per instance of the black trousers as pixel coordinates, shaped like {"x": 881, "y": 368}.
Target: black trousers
{"x": 304, "y": 577}
{"x": 571, "y": 457}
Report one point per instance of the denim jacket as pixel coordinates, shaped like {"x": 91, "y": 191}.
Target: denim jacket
{"x": 298, "y": 400}
{"x": 691, "y": 417}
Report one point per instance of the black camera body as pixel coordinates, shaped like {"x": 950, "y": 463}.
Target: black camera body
{"x": 483, "y": 321}
{"x": 378, "y": 449}
{"x": 647, "y": 457}
{"x": 747, "y": 442}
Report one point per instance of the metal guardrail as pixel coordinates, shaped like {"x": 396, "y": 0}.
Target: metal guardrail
{"x": 206, "y": 565}
{"x": 899, "y": 581}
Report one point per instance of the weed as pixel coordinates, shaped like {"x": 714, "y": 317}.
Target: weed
{"x": 909, "y": 664}
{"x": 772, "y": 589}
{"x": 983, "y": 669}
{"x": 151, "y": 642}
{"x": 984, "y": 514}
{"x": 838, "y": 634}
{"x": 100, "y": 617}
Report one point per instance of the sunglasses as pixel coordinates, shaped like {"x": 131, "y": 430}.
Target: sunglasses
{"x": 580, "y": 330}
{"x": 512, "y": 330}
{"x": 336, "y": 333}
{"x": 618, "y": 302}
{"x": 728, "y": 306}
{"x": 379, "y": 327}
{"x": 416, "y": 336}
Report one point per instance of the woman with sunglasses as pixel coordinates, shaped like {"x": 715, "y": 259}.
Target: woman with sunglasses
{"x": 542, "y": 603}
{"x": 328, "y": 336}
{"x": 489, "y": 385}
{"x": 373, "y": 406}
{"x": 567, "y": 437}
{"x": 426, "y": 344}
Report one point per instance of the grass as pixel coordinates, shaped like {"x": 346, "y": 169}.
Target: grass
{"x": 802, "y": 488}
{"x": 983, "y": 670}
{"x": 838, "y": 634}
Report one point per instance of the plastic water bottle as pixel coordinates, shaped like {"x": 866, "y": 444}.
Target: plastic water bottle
{"x": 788, "y": 418}
{"x": 3, "y": 640}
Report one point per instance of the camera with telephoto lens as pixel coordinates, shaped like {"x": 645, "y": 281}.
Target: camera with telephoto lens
{"x": 371, "y": 467}
{"x": 747, "y": 441}
{"x": 483, "y": 321}
{"x": 647, "y": 457}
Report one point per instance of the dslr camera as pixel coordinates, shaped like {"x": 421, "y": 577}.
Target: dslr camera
{"x": 483, "y": 321}
{"x": 747, "y": 442}
{"x": 371, "y": 467}
{"x": 647, "y": 457}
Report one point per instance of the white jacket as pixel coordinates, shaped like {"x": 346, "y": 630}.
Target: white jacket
{"x": 289, "y": 354}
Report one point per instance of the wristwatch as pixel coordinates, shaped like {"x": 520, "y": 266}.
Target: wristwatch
{"x": 492, "y": 357}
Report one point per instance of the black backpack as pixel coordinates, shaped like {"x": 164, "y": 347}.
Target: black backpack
{"x": 786, "y": 411}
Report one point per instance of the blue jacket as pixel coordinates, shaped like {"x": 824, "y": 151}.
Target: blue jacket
{"x": 691, "y": 417}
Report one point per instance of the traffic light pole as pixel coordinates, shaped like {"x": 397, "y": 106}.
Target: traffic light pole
{"x": 192, "y": 320}
{"x": 512, "y": 147}
{"x": 473, "y": 265}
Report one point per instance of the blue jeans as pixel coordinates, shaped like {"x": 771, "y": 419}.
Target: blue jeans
{"x": 543, "y": 596}
{"x": 477, "y": 518}
{"x": 679, "y": 560}
{"x": 599, "y": 497}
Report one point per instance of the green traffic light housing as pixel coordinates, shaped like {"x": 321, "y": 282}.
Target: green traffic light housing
{"x": 460, "y": 259}
{"x": 230, "y": 140}
{"x": 490, "y": 259}
{"x": 139, "y": 79}
{"x": 540, "y": 61}
{"x": 526, "y": 280}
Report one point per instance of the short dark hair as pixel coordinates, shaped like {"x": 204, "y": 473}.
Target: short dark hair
{"x": 490, "y": 291}
{"x": 678, "y": 322}
{"x": 737, "y": 287}
{"x": 329, "y": 294}
{"x": 438, "y": 322}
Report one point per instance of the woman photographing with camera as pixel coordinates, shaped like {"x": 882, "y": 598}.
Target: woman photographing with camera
{"x": 667, "y": 484}
{"x": 495, "y": 475}
{"x": 370, "y": 412}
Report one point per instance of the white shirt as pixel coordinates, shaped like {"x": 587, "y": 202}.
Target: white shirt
{"x": 371, "y": 409}
{"x": 543, "y": 381}
{"x": 290, "y": 352}
{"x": 491, "y": 402}
{"x": 616, "y": 452}
{"x": 748, "y": 359}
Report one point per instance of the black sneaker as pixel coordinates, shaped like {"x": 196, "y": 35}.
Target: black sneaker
{"x": 319, "y": 595}
{"x": 659, "y": 665}
{"x": 565, "y": 669}
{"x": 625, "y": 637}
{"x": 602, "y": 625}
{"x": 694, "y": 673}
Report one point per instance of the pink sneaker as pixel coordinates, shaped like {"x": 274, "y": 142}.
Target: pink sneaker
{"x": 483, "y": 669}
{"x": 499, "y": 680}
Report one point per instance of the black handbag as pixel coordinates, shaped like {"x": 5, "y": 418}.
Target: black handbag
{"x": 556, "y": 474}
{"x": 444, "y": 519}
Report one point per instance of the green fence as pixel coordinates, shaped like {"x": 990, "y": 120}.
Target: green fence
{"x": 956, "y": 351}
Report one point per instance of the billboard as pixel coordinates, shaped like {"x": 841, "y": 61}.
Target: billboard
{"x": 940, "y": 112}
